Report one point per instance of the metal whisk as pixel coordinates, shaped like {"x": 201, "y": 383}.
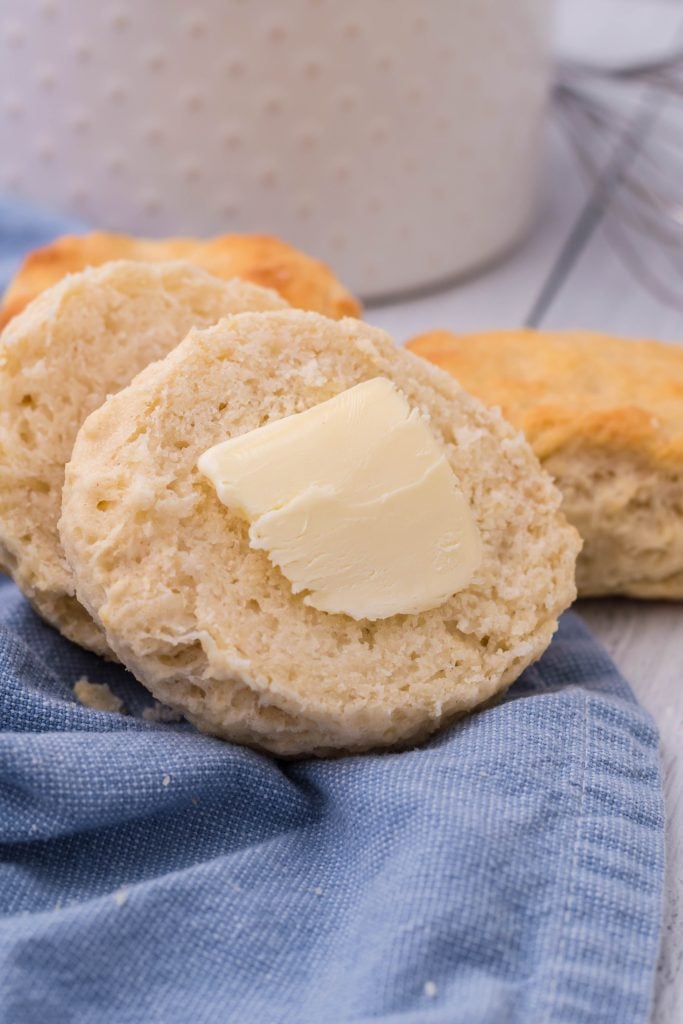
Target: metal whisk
{"x": 638, "y": 190}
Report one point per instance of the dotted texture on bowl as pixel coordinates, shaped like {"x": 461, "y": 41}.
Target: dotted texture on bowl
{"x": 398, "y": 142}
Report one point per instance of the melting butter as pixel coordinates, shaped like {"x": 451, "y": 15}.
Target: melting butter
{"x": 355, "y": 502}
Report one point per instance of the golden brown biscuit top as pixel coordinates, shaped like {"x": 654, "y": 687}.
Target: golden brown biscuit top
{"x": 303, "y": 281}
{"x": 570, "y": 387}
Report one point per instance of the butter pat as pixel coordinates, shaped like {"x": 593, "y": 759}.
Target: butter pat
{"x": 355, "y": 502}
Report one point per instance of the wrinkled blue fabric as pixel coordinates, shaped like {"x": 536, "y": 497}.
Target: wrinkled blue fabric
{"x": 508, "y": 871}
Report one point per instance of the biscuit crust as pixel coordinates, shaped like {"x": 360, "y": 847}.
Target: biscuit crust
{"x": 213, "y": 628}
{"x": 605, "y": 417}
{"x": 302, "y": 281}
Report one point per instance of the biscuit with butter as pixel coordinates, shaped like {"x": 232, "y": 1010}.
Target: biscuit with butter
{"x": 310, "y": 541}
{"x": 76, "y": 343}
{"x": 605, "y": 417}
{"x": 262, "y": 259}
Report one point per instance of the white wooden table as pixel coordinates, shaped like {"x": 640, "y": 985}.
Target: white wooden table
{"x": 569, "y": 274}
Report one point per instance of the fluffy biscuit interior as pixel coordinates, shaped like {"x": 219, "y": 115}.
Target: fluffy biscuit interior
{"x": 213, "y": 628}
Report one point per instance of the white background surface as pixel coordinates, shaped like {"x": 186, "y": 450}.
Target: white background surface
{"x": 573, "y": 264}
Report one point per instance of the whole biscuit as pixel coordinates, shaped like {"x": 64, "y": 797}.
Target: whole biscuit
{"x": 262, "y": 259}
{"x": 213, "y": 628}
{"x": 72, "y": 346}
{"x": 605, "y": 417}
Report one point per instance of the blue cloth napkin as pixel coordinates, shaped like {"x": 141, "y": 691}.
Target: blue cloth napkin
{"x": 508, "y": 872}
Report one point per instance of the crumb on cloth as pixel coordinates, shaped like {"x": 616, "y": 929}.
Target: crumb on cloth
{"x": 161, "y": 713}
{"x": 97, "y": 696}
{"x": 120, "y": 896}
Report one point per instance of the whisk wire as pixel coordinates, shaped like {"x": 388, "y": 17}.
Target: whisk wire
{"x": 644, "y": 203}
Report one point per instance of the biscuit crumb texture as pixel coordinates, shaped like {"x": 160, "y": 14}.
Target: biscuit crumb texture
{"x": 78, "y": 342}
{"x": 213, "y": 628}
{"x": 605, "y": 417}
{"x": 97, "y": 696}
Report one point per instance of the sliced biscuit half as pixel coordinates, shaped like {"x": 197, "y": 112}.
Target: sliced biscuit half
{"x": 213, "y": 627}
{"x": 78, "y": 342}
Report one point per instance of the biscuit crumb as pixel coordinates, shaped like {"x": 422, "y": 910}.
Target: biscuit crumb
{"x": 97, "y": 696}
{"x": 120, "y": 897}
{"x": 318, "y": 890}
{"x": 161, "y": 713}
{"x": 430, "y": 989}
{"x": 166, "y": 781}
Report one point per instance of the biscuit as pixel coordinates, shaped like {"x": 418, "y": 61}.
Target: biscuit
{"x": 213, "y": 628}
{"x": 303, "y": 281}
{"x": 605, "y": 417}
{"x": 72, "y": 346}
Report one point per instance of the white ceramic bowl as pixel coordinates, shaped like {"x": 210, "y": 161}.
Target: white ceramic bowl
{"x": 396, "y": 139}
